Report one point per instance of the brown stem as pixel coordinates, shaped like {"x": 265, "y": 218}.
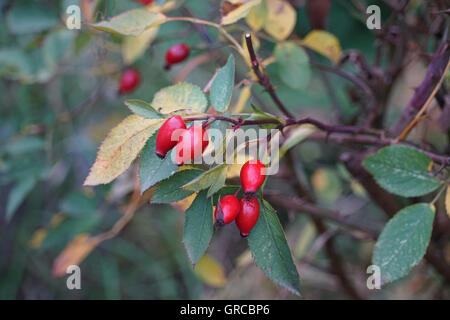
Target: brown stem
{"x": 263, "y": 79}
{"x": 436, "y": 70}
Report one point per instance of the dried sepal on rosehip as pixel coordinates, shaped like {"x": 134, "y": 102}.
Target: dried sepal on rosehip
{"x": 168, "y": 135}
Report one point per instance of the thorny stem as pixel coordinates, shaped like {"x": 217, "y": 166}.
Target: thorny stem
{"x": 263, "y": 79}
{"x": 349, "y": 134}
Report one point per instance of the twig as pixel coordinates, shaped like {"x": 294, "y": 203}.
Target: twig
{"x": 426, "y": 91}
{"x": 263, "y": 79}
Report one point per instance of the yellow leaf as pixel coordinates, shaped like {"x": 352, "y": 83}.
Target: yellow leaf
{"x": 134, "y": 47}
{"x": 74, "y": 253}
{"x": 320, "y": 180}
{"x": 120, "y": 148}
{"x": 56, "y": 220}
{"x": 447, "y": 201}
{"x": 210, "y": 271}
{"x": 281, "y": 19}
{"x": 324, "y": 43}
{"x": 244, "y": 95}
{"x": 180, "y": 96}
{"x": 36, "y": 239}
{"x": 234, "y": 10}
{"x": 257, "y": 16}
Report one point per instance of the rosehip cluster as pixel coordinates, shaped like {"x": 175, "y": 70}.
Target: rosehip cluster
{"x": 246, "y": 210}
{"x": 189, "y": 142}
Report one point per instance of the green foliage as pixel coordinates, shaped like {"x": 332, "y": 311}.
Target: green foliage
{"x": 182, "y": 96}
{"x": 402, "y": 171}
{"x": 131, "y": 23}
{"x": 153, "y": 169}
{"x": 213, "y": 179}
{"x": 198, "y": 227}
{"x": 271, "y": 251}
{"x": 143, "y": 109}
{"x": 222, "y": 86}
{"x": 404, "y": 241}
{"x": 58, "y": 87}
{"x": 293, "y": 65}
{"x": 170, "y": 190}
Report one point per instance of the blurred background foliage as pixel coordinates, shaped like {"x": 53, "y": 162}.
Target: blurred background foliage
{"x": 58, "y": 101}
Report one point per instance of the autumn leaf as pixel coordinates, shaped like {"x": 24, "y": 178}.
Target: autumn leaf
{"x": 234, "y": 10}
{"x": 120, "y": 148}
{"x": 324, "y": 43}
{"x": 210, "y": 271}
{"x": 281, "y": 19}
{"x": 134, "y": 47}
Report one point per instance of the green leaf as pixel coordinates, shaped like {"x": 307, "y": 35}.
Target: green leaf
{"x": 207, "y": 179}
{"x": 180, "y": 96}
{"x": 403, "y": 241}
{"x": 143, "y": 109}
{"x": 198, "y": 227}
{"x": 131, "y": 23}
{"x": 153, "y": 169}
{"x": 18, "y": 194}
{"x": 293, "y": 65}
{"x": 219, "y": 182}
{"x": 169, "y": 190}
{"x": 270, "y": 250}
{"x": 222, "y": 86}
{"x": 402, "y": 171}
{"x": 31, "y": 17}
{"x": 258, "y": 114}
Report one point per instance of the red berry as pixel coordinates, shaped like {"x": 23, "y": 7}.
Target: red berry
{"x": 129, "y": 81}
{"x": 253, "y": 173}
{"x": 247, "y": 216}
{"x": 176, "y": 54}
{"x": 191, "y": 144}
{"x": 168, "y": 135}
{"x": 227, "y": 209}
{"x": 144, "y": 2}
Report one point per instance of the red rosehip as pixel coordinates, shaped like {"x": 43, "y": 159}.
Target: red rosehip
{"x": 129, "y": 81}
{"x": 168, "y": 135}
{"x": 227, "y": 210}
{"x": 176, "y": 54}
{"x": 192, "y": 143}
{"x": 248, "y": 215}
{"x": 253, "y": 173}
{"x": 144, "y": 2}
